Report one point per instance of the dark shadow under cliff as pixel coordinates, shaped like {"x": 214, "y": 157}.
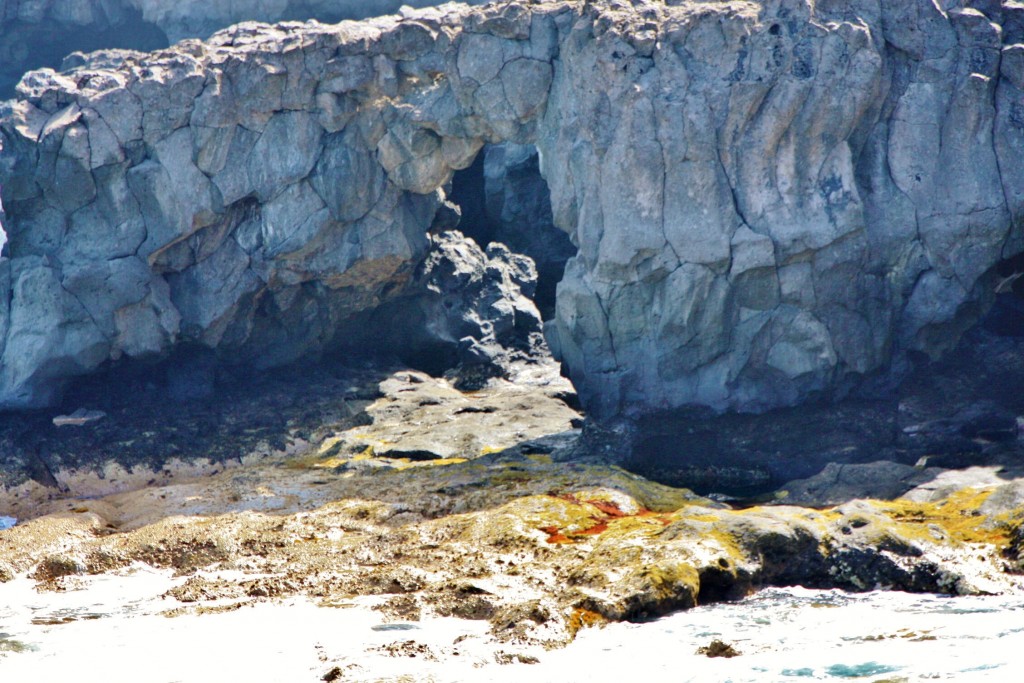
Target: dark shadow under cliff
{"x": 958, "y": 412}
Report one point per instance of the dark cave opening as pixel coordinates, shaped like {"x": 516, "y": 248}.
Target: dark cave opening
{"x": 190, "y": 373}
{"x": 469, "y": 193}
{"x": 748, "y": 456}
{"x": 504, "y": 198}
{"x": 469, "y": 326}
{"x": 1006, "y": 317}
{"x": 373, "y": 338}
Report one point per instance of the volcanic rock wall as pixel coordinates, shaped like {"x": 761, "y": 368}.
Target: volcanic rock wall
{"x": 200, "y": 18}
{"x": 769, "y": 199}
{"x": 38, "y": 33}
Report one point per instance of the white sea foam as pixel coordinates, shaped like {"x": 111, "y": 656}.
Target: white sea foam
{"x": 796, "y": 634}
{"x": 110, "y": 629}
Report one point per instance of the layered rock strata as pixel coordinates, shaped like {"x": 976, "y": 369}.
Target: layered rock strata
{"x": 769, "y": 200}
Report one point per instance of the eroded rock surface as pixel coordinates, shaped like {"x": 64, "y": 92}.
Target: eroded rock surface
{"x": 769, "y": 200}
{"x": 40, "y": 33}
{"x": 333, "y": 484}
{"x": 466, "y": 310}
{"x": 194, "y": 19}
{"x": 537, "y": 549}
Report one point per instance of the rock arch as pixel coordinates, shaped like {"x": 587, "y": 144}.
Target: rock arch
{"x": 768, "y": 199}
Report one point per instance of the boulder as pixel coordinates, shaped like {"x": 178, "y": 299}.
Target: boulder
{"x": 466, "y": 310}
{"x": 838, "y": 483}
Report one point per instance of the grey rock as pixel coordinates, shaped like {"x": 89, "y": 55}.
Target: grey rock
{"x": 347, "y": 178}
{"x": 50, "y": 335}
{"x": 466, "y": 309}
{"x": 769, "y": 200}
{"x": 839, "y": 483}
{"x": 52, "y": 33}
{"x": 80, "y": 417}
{"x": 285, "y": 153}
{"x": 1007, "y": 498}
{"x": 424, "y": 418}
{"x": 979, "y": 478}
{"x": 193, "y": 19}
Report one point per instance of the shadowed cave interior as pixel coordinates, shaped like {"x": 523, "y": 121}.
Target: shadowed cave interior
{"x": 511, "y": 206}
{"x": 504, "y": 198}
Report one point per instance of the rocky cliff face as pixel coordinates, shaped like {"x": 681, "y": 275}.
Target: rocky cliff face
{"x": 769, "y": 200}
{"x": 200, "y": 18}
{"x": 40, "y": 33}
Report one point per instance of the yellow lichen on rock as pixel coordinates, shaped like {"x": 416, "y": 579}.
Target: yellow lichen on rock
{"x": 956, "y": 519}
{"x": 538, "y": 547}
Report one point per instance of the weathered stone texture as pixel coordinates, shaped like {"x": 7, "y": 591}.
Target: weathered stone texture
{"x": 776, "y": 197}
{"x": 37, "y": 33}
{"x": 769, "y": 199}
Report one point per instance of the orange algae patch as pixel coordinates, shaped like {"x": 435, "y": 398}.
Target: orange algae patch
{"x": 581, "y": 618}
{"x": 595, "y": 530}
{"x": 569, "y": 497}
{"x": 607, "y": 507}
{"x": 555, "y": 534}
{"x": 608, "y": 513}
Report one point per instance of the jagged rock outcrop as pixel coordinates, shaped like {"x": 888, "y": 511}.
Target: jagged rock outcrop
{"x": 200, "y": 18}
{"x": 466, "y": 309}
{"x": 38, "y": 33}
{"x": 770, "y": 200}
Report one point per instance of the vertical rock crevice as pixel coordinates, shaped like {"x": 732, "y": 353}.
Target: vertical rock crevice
{"x": 504, "y": 198}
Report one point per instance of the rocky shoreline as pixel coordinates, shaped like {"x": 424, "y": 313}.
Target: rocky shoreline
{"x": 479, "y": 505}
{"x": 300, "y": 383}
